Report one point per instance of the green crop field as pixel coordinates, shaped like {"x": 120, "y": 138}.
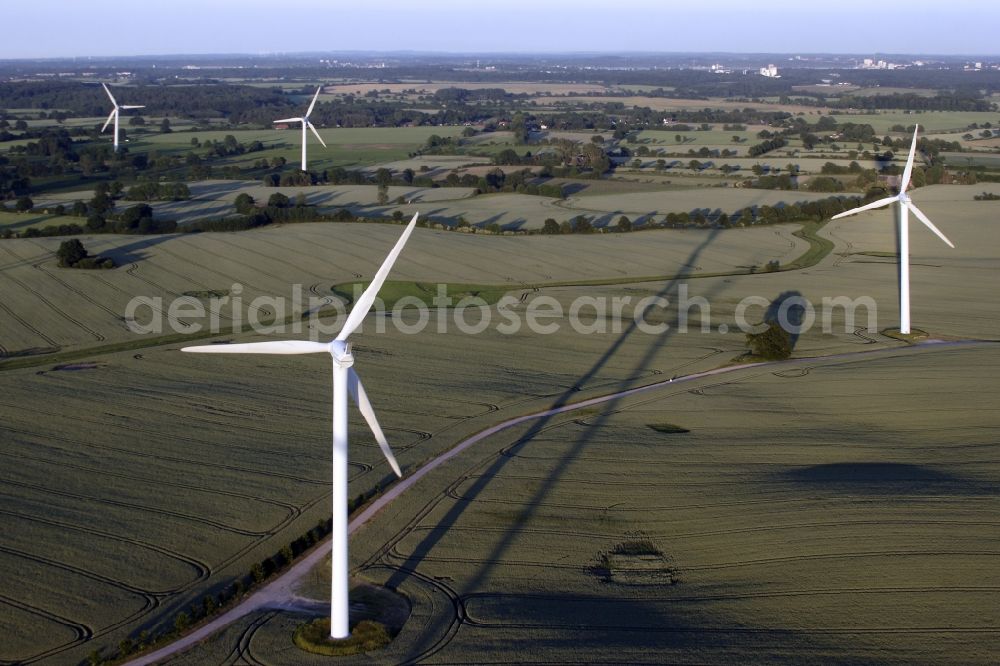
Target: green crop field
{"x": 827, "y": 510}
{"x": 211, "y": 437}
{"x": 838, "y": 508}
{"x": 55, "y": 307}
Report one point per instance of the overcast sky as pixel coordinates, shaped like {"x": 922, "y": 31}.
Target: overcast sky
{"x": 56, "y": 28}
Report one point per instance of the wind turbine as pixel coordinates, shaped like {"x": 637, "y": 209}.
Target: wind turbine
{"x": 115, "y": 113}
{"x": 305, "y": 123}
{"x": 905, "y": 207}
{"x": 345, "y": 380}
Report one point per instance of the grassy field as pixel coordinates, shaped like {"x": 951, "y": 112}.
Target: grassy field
{"x": 51, "y": 307}
{"x": 235, "y": 448}
{"x": 346, "y": 146}
{"x": 832, "y": 510}
{"x": 931, "y": 121}
{"x": 825, "y": 511}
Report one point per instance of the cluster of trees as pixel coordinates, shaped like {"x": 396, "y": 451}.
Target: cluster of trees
{"x": 463, "y": 95}
{"x": 766, "y": 146}
{"x": 773, "y": 344}
{"x": 795, "y": 212}
{"x": 158, "y": 192}
{"x": 72, "y": 254}
{"x": 239, "y": 103}
{"x": 101, "y": 217}
{"x": 912, "y": 102}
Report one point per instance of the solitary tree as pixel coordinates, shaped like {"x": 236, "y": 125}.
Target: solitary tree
{"x": 774, "y": 344}
{"x": 71, "y": 252}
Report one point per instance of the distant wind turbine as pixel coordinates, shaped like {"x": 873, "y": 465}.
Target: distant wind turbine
{"x": 305, "y": 123}
{"x": 905, "y": 207}
{"x": 115, "y": 113}
{"x": 345, "y": 380}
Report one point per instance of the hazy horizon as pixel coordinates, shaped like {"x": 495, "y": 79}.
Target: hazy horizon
{"x": 186, "y": 27}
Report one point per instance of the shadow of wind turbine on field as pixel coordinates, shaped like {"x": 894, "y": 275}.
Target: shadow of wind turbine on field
{"x": 494, "y": 465}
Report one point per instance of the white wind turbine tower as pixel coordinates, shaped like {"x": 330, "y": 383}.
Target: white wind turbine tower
{"x": 905, "y": 207}
{"x": 345, "y": 380}
{"x": 305, "y": 123}
{"x": 115, "y": 113}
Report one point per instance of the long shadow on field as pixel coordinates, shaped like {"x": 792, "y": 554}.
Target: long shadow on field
{"x": 214, "y": 190}
{"x": 885, "y": 478}
{"x": 619, "y": 626}
{"x": 133, "y": 252}
{"x": 495, "y": 465}
{"x": 531, "y": 503}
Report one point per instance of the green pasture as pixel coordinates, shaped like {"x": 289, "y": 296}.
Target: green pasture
{"x": 930, "y": 121}
{"x": 19, "y": 222}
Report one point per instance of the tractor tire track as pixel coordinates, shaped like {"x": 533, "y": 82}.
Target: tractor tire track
{"x": 62, "y": 313}
{"x": 141, "y": 507}
{"x": 240, "y": 654}
{"x": 133, "y": 271}
{"x": 13, "y": 315}
{"x": 293, "y": 511}
{"x": 132, "y": 427}
{"x": 82, "y": 631}
{"x": 74, "y": 443}
{"x": 149, "y": 599}
{"x": 202, "y": 568}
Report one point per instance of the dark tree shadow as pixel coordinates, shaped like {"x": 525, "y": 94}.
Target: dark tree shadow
{"x": 789, "y": 311}
{"x": 133, "y": 252}
{"x": 886, "y": 478}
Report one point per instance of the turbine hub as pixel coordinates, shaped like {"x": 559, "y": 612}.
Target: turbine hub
{"x": 341, "y": 353}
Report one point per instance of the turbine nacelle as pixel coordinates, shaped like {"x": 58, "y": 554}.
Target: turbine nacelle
{"x": 341, "y": 353}
{"x": 338, "y": 348}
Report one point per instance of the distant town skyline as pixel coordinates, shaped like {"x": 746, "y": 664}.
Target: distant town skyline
{"x": 57, "y": 29}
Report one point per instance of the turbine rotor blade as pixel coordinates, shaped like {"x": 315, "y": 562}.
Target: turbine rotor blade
{"x": 930, "y": 225}
{"x": 132, "y": 107}
{"x": 109, "y": 94}
{"x": 360, "y": 308}
{"x": 357, "y": 391}
{"x": 860, "y": 209}
{"x": 111, "y": 117}
{"x": 289, "y": 120}
{"x": 313, "y": 103}
{"x": 313, "y": 128}
{"x": 276, "y": 347}
{"x": 905, "y": 182}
